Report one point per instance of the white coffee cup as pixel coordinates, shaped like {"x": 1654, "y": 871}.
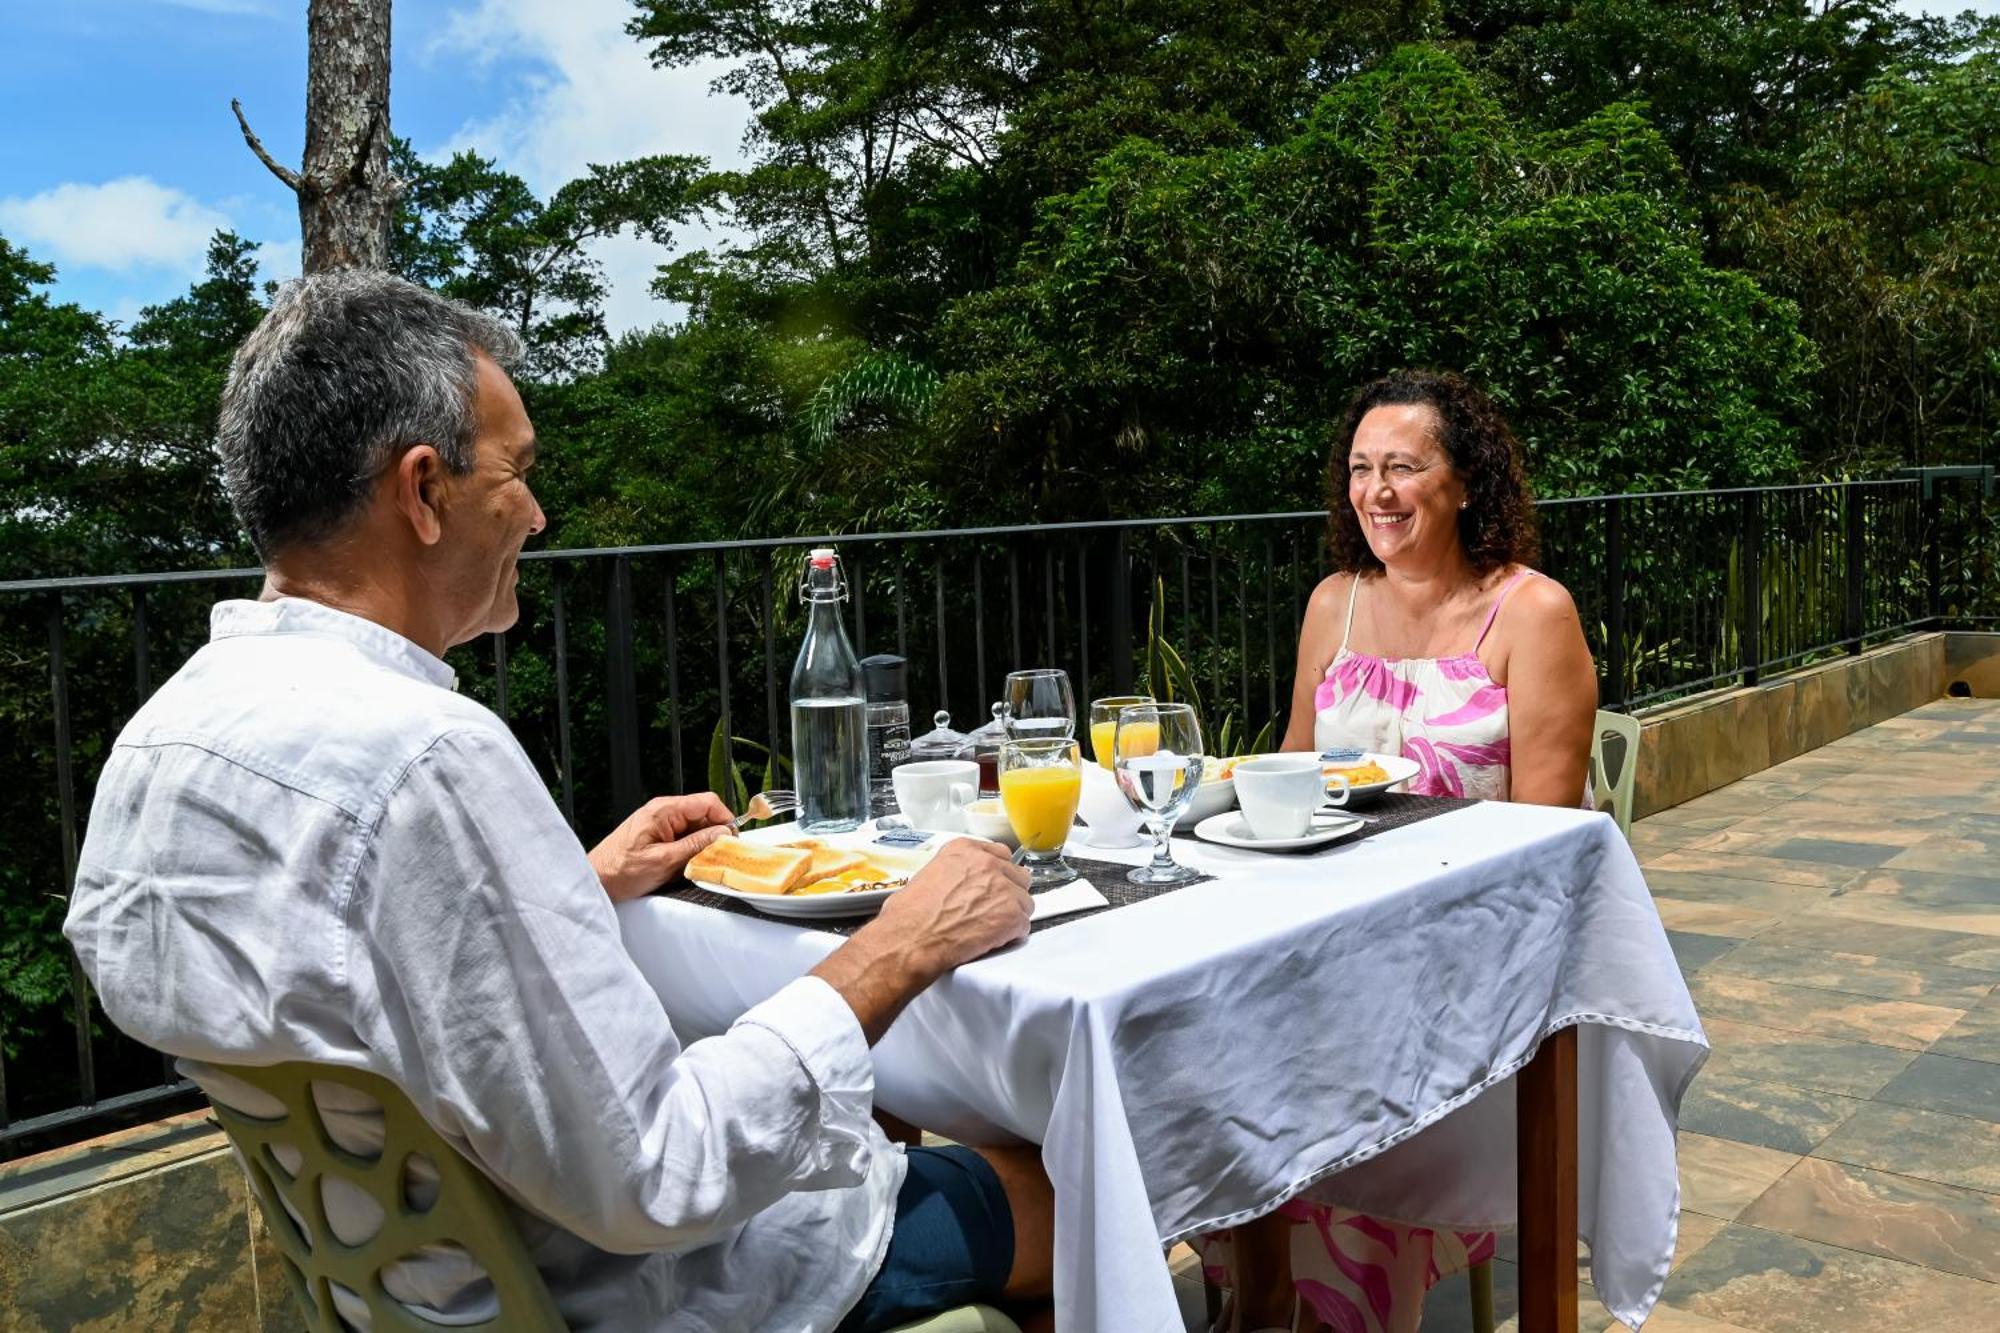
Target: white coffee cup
{"x": 1280, "y": 792}
{"x": 933, "y": 793}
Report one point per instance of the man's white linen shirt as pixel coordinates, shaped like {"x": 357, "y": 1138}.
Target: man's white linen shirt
{"x": 307, "y": 846}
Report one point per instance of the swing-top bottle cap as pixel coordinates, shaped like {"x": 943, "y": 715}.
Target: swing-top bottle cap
{"x": 821, "y": 557}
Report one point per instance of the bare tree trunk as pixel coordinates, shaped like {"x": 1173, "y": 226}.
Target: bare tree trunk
{"x": 347, "y": 195}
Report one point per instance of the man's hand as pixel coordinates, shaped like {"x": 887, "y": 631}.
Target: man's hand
{"x": 970, "y": 900}
{"x": 656, "y": 843}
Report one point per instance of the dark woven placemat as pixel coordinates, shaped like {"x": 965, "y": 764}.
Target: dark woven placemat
{"x": 1393, "y": 810}
{"x": 1107, "y": 877}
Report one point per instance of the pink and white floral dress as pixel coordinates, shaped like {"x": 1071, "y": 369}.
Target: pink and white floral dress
{"x": 1356, "y": 1273}
{"x": 1444, "y": 712}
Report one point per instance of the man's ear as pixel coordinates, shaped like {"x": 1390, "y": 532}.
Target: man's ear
{"x": 419, "y": 483}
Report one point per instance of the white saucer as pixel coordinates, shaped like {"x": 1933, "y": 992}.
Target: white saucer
{"x": 1231, "y": 829}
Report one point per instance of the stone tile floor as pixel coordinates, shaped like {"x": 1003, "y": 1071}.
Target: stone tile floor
{"x": 1838, "y": 920}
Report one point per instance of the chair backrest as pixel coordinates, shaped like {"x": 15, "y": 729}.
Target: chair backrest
{"x": 467, "y": 1212}
{"x": 1614, "y": 765}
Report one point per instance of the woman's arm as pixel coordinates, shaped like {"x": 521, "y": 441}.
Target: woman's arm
{"x": 1316, "y": 645}
{"x": 1551, "y": 695}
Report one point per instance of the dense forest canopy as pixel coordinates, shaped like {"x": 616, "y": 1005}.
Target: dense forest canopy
{"x": 1080, "y": 259}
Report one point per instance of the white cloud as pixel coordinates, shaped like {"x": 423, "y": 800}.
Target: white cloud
{"x": 599, "y": 100}
{"x": 1950, "y": 9}
{"x": 121, "y": 225}
{"x": 249, "y": 8}
{"x": 280, "y": 260}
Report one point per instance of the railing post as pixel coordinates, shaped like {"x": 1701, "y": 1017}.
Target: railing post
{"x": 722, "y": 663}
{"x": 1934, "y": 552}
{"x": 500, "y": 673}
{"x": 142, "y": 660}
{"x": 621, "y": 691}
{"x": 1751, "y": 537}
{"x": 777, "y": 721}
{"x": 1856, "y": 624}
{"x": 1121, "y": 617}
{"x": 556, "y": 606}
{"x": 1614, "y": 693}
{"x": 943, "y": 631}
{"x": 674, "y": 674}
{"x": 86, "y": 1064}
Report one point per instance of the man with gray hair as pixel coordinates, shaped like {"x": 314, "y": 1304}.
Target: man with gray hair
{"x": 307, "y": 846}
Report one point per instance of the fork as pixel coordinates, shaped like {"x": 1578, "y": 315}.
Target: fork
{"x": 767, "y": 805}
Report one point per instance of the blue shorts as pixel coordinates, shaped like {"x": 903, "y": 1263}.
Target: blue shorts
{"x": 953, "y": 1242}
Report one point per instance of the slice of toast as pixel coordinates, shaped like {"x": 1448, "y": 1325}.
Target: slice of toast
{"x": 826, "y": 863}
{"x": 750, "y": 867}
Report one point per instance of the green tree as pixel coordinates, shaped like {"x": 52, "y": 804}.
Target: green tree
{"x": 105, "y": 443}
{"x": 106, "y": 465}
{"x": 1891, "y": 247}
{"x": 1200, "y": 320}
{"x": 1734, "y": 86}
{"x": 899, "y": 149}
{"x": 479, "y": 234}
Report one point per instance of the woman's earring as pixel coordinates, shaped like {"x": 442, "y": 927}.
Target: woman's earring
{"x": 1463, "y": 503}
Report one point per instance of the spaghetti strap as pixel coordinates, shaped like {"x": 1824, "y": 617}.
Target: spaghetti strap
{"x": 1353, "y": 591}
{"x": 1494, "y": 614}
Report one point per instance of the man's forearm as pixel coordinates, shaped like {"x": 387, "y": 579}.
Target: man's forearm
{"x": 877, "y": 978}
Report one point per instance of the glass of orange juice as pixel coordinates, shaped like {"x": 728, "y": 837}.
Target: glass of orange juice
{"x": 1040, "y": 783}
{"x": 1104, "y": 724}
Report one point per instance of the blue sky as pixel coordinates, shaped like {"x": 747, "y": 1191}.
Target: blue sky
{"x": 122, "y": 156}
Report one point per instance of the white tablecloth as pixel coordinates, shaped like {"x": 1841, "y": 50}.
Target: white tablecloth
{"x": 1196, "y": 1059}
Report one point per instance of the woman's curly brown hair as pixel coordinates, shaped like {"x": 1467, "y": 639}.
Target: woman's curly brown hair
{"x": 1497, "y": 525}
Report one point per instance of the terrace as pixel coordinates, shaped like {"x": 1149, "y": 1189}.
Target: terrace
{"x": 1816, "y": 842}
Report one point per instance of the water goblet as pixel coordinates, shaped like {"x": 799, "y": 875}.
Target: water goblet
{"x": 1157, "y": 760}
{"x": 1039, "y": 704}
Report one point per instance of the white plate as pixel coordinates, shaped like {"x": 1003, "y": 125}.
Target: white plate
{"x": 1210, "y": 799}
{"x": 1400, "y": 770}
{"x": 805, "y": 905}
{"x": 1231, "y": 829}
{"x": 903, "y": 860}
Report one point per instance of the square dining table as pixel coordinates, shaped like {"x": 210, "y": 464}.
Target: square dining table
{"x": 1391, "y": 1023}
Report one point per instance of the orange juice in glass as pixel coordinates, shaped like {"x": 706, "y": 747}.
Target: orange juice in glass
{"x": 1040, "y": 784}
{"x": 1104, "y": 724}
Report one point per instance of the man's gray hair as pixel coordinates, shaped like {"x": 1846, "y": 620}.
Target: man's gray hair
{"x": 346, "y": 369}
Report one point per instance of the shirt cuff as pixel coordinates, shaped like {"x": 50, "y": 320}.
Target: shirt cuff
{"x": 811, "y": 1018}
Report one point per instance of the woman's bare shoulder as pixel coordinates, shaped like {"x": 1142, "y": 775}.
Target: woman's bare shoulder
{"x": 1541, "y": 602}
{"x": 1326, "y": 609}
{"x": 1330, "y": 591}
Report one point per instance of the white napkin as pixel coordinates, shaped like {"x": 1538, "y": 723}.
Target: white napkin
{"x": 1079, "y": 895}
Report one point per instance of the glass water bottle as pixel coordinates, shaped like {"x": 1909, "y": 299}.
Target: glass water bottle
{"x": 829, "y": 707}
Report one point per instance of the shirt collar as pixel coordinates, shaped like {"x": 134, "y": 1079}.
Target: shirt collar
{"x": 296, "y": 615}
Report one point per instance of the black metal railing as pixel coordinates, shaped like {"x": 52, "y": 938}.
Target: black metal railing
{"x": 663, "y": 667}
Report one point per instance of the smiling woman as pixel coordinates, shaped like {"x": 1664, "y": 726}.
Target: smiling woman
{"x": 1438, "y": 641}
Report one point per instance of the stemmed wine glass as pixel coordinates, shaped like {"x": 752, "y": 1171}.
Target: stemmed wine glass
{"x": 1157, "y": 761}
{"x": 1040, "y": 704}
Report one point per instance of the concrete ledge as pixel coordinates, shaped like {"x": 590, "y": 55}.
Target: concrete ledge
{"x": 1689, "y": 749}
{"x": 1972, "y": 660}
{"x": 152, "y": 1228}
